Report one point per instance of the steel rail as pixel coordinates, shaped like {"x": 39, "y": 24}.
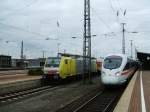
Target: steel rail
{"x": 87, "y": 102}
{"x": 101, "y": 101}
{"x": 21, "y": 94}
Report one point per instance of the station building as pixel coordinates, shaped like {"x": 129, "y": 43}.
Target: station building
{"x": 144, "y": 58}
{"x": 35, "y": 63}
{"x": 28, "y": 63}
{"x": 5, "y": 61}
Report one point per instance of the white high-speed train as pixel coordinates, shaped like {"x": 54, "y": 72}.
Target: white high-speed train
{"x": 117, "y": 69}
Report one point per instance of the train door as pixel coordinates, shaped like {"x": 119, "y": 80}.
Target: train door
{"x": 69, "y": 67}
{"x": 67, "y": 64}
{"x": 73, "y": 67}
{"x": 78, "y": 67}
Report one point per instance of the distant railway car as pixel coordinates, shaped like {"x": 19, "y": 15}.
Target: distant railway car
{"x": 61, "y": 68}
{"x": 98, "y": 65}
{"x": 93, "y": 66}
{"x": 117, "y": 69}
{"x": 51, "y": 68}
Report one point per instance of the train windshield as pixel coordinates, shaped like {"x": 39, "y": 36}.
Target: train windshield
{"x": 112, "y": 62}
{"x": 52, "y": 62}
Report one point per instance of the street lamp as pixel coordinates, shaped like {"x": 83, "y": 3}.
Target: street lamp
{"x": 94, "y": 35}
{"x": 48, "y": 38}
{"x": 133, "y": 32}
{"x": 74, "y": 37}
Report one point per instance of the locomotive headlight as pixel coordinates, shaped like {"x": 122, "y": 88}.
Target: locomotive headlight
{"x": 117, "y": 73}
{"x": 45, "y": 72}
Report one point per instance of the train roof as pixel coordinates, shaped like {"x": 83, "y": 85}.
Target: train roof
{"x": 121, "y": 55}
{"x": 53, "y": 58}
{"x": 73, "y": 55}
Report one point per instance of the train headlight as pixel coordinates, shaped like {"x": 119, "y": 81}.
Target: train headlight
{"x": 45, "y": 72}
{"x": 117, "y": 73}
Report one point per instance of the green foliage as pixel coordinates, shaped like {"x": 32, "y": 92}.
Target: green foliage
{"x": 35, "y": 72}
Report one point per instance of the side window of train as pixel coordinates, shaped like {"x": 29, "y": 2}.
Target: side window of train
{"x": 127, "y": 66}
{"x": 66, "y": 61}
{"x": 132, "y": 64}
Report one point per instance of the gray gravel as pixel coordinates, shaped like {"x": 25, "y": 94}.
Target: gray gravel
{"x": 50, "y": 101}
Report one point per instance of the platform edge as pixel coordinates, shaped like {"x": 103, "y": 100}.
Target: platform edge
{"x": 124, "y": 102}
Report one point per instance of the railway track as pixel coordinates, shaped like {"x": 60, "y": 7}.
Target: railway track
{"x": 11, "y": 97}
{"x": 102, "y": 101}
{"x": 15, "y": 96}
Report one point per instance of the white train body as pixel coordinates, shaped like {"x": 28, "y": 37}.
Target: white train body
{"x": 116, "y": 69}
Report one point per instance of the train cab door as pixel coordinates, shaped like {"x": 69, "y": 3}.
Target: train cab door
{"x": 72, "y": 67}
{"x": 66, "y": 66}
{"x": 69, "y": 67}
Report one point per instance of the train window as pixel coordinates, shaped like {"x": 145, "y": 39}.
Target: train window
{"x": 131, "y": 64}
{"x": 52, "y": 62}
{"x": 112, "y": 62}
{"x": 127, "y": 66}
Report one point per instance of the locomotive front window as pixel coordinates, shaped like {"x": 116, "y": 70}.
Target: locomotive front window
{"x": 112, "y": 62}
{"x": 52, "y": 63}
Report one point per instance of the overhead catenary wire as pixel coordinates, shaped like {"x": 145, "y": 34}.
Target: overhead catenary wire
{"x": 106, "y": 25}
{"x": 24, "y": 30}
{"x": 119, "y": 5}
{"x": 18, "y": 10}
{"x": 98, "y": 16}
{"x": 34, "y": 33}
{"x": 112, "y": 7}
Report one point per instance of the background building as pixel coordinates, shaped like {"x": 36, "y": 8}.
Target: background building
{"x": 28, "y": 63}
{"x": 5, "y": 61}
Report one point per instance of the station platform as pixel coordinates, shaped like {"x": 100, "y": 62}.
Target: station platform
{"x": 18, "y": 82}
{"x": 136, "y": 97}
{"x": 7, "y": 79}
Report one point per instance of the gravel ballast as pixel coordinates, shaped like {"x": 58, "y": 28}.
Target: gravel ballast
{"x": 51, "y": 101}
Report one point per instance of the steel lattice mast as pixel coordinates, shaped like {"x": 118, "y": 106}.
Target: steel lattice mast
{"x": 123, "y": 39}
{"x": 21, "y": 56}
{"x": 87, "y": 40}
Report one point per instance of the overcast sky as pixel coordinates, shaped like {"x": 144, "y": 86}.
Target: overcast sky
{"x": 35, "y": 20}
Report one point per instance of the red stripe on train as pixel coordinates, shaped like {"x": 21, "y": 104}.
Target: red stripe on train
{"x": 127, "y": 72}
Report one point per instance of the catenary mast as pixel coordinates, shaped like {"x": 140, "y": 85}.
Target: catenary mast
{"x": 87, "y": 40}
